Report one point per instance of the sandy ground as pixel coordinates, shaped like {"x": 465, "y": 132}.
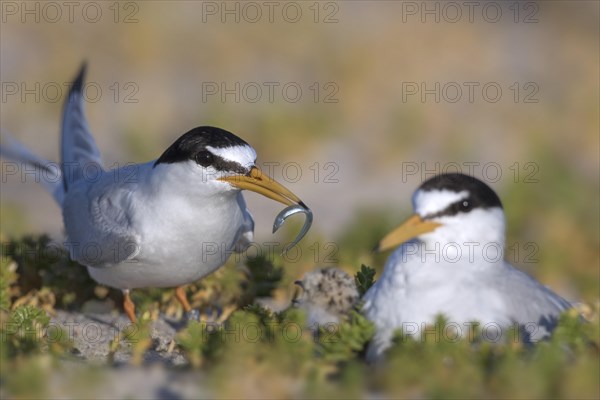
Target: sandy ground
{"x": 92, "y": 335}
{"x": 94, "y": 372}
{"x": 154, "y": 381}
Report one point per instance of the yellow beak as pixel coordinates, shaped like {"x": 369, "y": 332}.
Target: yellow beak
{"x": 259, "y": 182}
{"x": 412, "y": 227}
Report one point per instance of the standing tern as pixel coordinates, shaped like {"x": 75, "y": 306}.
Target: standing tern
{"x": 450, "y": 261}
{"x": 164, "y": 223}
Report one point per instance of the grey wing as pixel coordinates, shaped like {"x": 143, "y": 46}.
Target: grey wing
{"x": 100, "y": 235}
{"x": 78, "y": 148}
{"x": 246, "y": 233}
{"x": 536, "y": 307}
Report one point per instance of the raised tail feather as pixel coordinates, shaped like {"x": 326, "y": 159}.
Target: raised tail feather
{"x": 78, "y": 148}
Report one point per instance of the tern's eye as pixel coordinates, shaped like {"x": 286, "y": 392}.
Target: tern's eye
{"x": 204, "y": 158}
{"x": 465, "y": 205}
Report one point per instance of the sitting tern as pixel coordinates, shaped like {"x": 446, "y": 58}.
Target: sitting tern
{"x": 164, "y": 223}
{"x": 450, "y": 261}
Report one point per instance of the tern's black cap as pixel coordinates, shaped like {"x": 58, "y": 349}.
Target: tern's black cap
{"x": 480, "y": 194}
{"x": 195, "y": 142}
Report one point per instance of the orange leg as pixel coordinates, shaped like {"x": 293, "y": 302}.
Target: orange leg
{"x": 180, "y": 295}
{"x": 128, "y": 306}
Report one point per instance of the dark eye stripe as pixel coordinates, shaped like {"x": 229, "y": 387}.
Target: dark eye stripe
{"x": 220, "y": 164}
{"x": 453, "y": 209}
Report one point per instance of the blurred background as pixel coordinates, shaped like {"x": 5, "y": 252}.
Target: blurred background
{"x": 349, "y": 104}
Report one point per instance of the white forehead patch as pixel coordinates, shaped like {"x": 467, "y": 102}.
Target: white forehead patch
{"x": 243, "y": 155}
{"x": 433, "y": 201}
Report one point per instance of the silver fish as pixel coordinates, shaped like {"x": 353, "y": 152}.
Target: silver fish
{"x": 288, "y": 212}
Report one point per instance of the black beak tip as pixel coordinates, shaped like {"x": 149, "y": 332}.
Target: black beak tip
{"x": 299, "y": 283}
{"x": 376, "y": 248}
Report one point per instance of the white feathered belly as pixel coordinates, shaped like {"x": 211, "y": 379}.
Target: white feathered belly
{"x": 132, "y": 274}
{"x": 174, "y": 254}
